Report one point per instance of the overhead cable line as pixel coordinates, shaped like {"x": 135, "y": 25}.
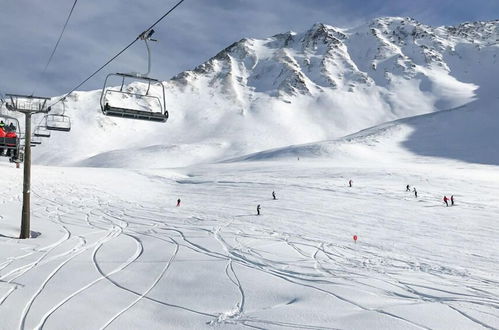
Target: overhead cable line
{"x": 119, "y": 53}
{"x": 58, "y": 41}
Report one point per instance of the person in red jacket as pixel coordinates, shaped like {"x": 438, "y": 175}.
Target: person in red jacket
{"x": 446, "y": 201}
{"x": 11, "y": 135}
{"x": 2, "y": 140}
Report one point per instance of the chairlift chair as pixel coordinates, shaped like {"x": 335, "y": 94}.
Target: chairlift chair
{"x": 58, "y": 122}
{"x": 42, "y": 131}
{"x": 115, "y": 101}
{"x": 36, "y": 141}
{"x": 11, "y": 144}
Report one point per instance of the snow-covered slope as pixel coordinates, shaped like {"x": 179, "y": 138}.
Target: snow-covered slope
{"x": 292, "y": 88}
{"x": 114, "y": 252}
{"x": 468, "y": 133}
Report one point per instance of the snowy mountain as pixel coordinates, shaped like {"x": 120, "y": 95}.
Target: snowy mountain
{"x": 291, "y": 88}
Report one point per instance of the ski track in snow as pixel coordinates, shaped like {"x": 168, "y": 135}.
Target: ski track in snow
{"x": 224, "y": 232}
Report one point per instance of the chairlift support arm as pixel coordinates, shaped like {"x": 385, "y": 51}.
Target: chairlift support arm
{"x": 146, "y": 36}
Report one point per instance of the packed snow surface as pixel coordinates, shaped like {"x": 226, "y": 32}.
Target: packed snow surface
{"x": 113, "y": 251}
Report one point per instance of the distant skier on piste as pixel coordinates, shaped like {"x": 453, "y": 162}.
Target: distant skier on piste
{"x": 258, "y": 209}
{"x": 452, "y": 200}
{"x": 407, "y": 188}
{"x": 446, "y": 201}
{"x": 350, "y": 182}
{"x": 415, "y": 192}
{"x": 178, "y": 202}
{"x": 273, "y": 195}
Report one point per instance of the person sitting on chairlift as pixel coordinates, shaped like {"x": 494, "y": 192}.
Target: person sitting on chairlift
{"x": 11, "y": 134}
{"x": 2, "y": 136}
{"x": 9, "y": 128}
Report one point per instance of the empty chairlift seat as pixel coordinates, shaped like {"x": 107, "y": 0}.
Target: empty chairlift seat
{"x": 134, "y": 101}
{"x": 36, "y": 141}
{"x": 58, "y": 122}
{"x": 42, "y": 131}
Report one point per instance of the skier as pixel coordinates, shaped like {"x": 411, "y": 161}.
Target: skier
{"x": 415, "y": 192}
{"x": 258, "y": 209}
{"x": 273, "y": 195}
{"x": 452, "y": 200}
{"x": 407, "y": 188}
{"x": 178, "y": 202}
{"x": 446, "y": 201}
{"x": 350, "y": 183}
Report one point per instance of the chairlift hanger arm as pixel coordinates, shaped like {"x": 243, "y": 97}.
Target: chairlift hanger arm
{"x": 148, "y": 58}
{"x": 147, "y": 34}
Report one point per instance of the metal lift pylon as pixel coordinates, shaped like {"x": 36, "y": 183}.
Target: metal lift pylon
{"x": 28, "y": 105}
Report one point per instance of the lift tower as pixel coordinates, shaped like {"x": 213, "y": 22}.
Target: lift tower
{"x": 28, "y": 105}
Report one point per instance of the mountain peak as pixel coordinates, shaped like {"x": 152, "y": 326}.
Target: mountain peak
{"x": 324, "y": 57}
{"x": 325, "y": 33}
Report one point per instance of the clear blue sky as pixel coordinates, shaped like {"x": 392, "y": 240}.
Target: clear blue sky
{"x": 193, "y": 33}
